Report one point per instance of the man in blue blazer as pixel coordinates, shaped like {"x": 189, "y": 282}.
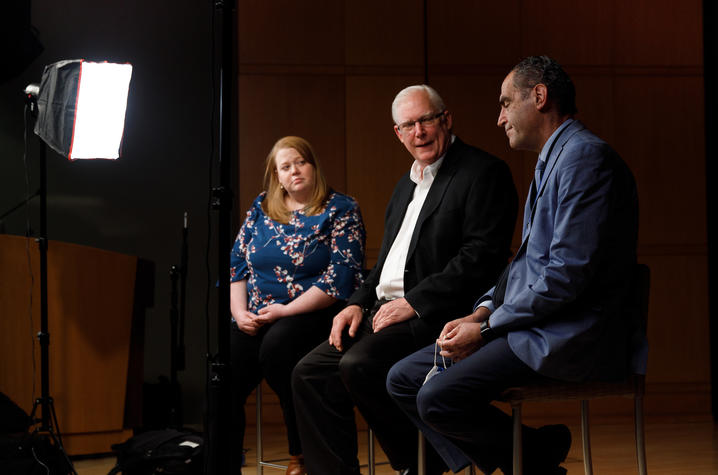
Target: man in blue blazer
{"x": 555, "y": 313}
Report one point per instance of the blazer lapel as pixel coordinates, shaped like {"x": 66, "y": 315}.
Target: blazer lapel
{"x": 398, "y": 206}
{"x": 551, "y": 162}
{"x": 436, "y": 193}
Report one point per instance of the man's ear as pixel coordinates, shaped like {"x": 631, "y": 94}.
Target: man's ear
{"x": 398, "y": 134}
{"x": 541, "y": 96}
{"x": 449, "y": 120}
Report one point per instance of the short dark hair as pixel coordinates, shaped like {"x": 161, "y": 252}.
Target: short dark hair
{"x": 544, "y": 70}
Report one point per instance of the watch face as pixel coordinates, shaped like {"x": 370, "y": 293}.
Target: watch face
{"x": 487, "y": 333}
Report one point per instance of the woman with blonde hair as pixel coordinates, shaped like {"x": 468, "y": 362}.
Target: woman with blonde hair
{"x": 296, "y": 260}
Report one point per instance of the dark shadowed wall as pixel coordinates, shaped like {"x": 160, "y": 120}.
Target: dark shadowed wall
{"x": 133, "y": 205}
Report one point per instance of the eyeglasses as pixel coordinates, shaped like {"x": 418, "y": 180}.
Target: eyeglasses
{"x": 427, "y": 121}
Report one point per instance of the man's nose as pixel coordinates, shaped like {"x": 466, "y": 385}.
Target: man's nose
{"x": 419, "y": 128}
{"x": 502, "y": 119}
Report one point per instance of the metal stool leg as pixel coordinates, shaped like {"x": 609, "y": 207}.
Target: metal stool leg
{"x": 258, "y": 393}
{"x": 518, "y": 441}
{"x": 421, "y": 462}
{"x": 586, "y": 436}
{"x": 260, "y": 452}
{"x": 371, "y": 456}
{"x": 640, "y": 435}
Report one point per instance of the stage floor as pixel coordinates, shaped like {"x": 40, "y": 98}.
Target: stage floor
{"x": 672, "y": 448}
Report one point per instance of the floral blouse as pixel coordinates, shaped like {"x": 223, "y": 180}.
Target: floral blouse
{"x": 282, "y": 261}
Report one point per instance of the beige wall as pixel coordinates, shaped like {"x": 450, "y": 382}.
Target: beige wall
{"x": 328, "y": 70}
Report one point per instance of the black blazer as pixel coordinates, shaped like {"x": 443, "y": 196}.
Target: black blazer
{"x": 462, "y": 237}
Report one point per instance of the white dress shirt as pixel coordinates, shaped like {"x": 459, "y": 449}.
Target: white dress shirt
{"x": 391, "y": 281}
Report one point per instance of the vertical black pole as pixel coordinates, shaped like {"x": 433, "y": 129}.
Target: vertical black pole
{"x": 44, "y": 335}
{"x": 175, "y": 410}
{"x": 48, "y": 417}
{"x": 710, "y": 76}
{"x": 218, "y": 407}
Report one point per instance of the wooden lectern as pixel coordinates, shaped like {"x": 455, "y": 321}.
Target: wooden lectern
{"x": 96, "y": 302}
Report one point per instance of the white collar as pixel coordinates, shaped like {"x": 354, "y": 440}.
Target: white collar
{"x": 430, "y": 171}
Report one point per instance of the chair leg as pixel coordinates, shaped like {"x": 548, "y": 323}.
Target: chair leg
{"x": 260, "y": 452}
{"x": 258, "y": 397}
{"x": 586, "y": 437}
{"x": 640, "y": 435}
{"x": 421, "y": 462}
{"x": 371, "y": 456}
{"x": 518, "y": 448}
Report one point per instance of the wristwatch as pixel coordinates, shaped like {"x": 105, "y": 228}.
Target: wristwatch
{"x": 487, "y": 333}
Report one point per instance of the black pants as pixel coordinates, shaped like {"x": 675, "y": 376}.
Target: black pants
{"x": 272, "y": 354}
{"x": 327, "y": 384}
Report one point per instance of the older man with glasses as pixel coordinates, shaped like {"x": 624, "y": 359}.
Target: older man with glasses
{"x": 447, "y": 234}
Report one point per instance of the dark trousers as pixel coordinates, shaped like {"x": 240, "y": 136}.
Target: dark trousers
{"x": 453, "y": 409}
{"x": 328, "y": 384}
{"x": 272, "y": 354}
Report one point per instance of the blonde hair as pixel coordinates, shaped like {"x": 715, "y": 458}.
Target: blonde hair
{"x": 274, "y": 201}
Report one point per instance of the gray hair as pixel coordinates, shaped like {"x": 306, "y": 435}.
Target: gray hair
{"x": 434, "y": 98}
{"x": 545, "y": 70}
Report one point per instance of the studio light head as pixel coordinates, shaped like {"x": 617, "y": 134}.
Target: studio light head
{"x": 81, "y": 107}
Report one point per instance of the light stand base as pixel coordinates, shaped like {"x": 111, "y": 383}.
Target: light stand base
{"x": 48, "y": 425}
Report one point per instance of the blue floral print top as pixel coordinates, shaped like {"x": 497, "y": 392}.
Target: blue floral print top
{"x": 282, "y": 261}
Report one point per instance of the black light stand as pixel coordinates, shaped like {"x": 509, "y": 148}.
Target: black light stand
{"x": 217, "y": 461}
{"x": 48, "y": 420}
{"x": 178, "y": 279}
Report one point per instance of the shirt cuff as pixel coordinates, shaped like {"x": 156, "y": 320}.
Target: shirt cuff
{"x": 486, "y": 303}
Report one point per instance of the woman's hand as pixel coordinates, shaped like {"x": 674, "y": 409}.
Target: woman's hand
{"x": 272, "y": 312}
{"x": 247, "y": 322}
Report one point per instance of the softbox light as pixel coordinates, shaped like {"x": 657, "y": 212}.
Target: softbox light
{"x": 81, "y": 108}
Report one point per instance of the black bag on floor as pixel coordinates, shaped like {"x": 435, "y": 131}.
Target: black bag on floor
{"x": 169, "y": 452}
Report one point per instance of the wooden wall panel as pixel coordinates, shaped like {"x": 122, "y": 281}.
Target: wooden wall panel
{"x": 659, "y": 32}
{"x": 464, "y": 33}
{"x": 376, "y": 159}
{"x": 384, "y": 33}
{"x": 90, "y": 301}
{"x": 659, "y": 132}
{"x": 678, "y": 332}
{"x": 272, "y": 106}
{"x": 572, "y": 32}
{"x": 288, "y": 32}
{"x": 595, "y": 102}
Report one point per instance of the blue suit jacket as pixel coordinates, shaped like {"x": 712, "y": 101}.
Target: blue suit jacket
{"x": 562, "y": 309}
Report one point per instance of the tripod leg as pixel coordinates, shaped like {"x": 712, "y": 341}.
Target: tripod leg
{"x": 52, "y": 429}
